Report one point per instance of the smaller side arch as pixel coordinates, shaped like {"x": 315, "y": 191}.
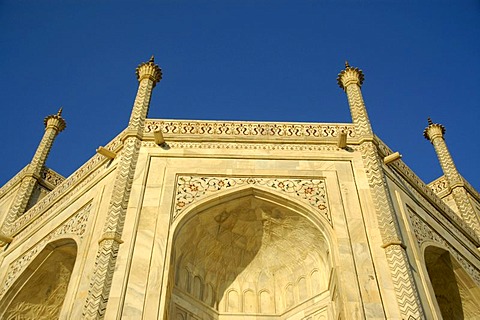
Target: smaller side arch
{"x": 40, "y": 290}
{"x": 457, "y": 296}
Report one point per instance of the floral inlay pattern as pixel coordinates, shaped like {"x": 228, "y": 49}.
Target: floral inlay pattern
{"x": 310, "y": 191}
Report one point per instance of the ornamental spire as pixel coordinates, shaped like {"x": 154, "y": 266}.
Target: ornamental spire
{"x": 350, "y": 80}
{"x": 54, "y": 124}
{"x": 148, "y": 75}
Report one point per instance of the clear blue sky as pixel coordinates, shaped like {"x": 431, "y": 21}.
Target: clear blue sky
{"x": 240, "y": 60}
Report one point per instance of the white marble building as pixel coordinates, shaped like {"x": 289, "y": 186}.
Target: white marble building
{"x": 239, "y": 220}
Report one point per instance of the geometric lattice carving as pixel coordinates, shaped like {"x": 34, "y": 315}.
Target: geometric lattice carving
{"x": 423, "y": 232}
{"x": 311, "y": 191}
{"x": 76, "y": 225}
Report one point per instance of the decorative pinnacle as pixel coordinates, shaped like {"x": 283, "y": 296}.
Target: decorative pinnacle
{"x": 56, "y": 120}
{"x": 350, "y": 75}
{"x": 149, "y": 70}
{"x": 433, "y": 129}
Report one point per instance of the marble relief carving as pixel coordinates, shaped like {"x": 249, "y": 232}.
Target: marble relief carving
{"x": 310, "y": 191}
{"x": 52, "y": 177}
{"x": 76, "y": 225}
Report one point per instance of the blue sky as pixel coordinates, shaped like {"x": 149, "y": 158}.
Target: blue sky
{"x": 240, "y": 60}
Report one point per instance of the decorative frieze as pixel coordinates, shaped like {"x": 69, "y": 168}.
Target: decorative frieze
{"x": 244, "y": 146}
{"x": 313, "y": 192}
{"x": 439, "y": 186}
{"x": 52, "y": 177}
{"x": 253, "y": 129}
{"x": 76, "y": 225}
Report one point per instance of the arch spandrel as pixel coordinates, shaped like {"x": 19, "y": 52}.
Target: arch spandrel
{"x": 247, "y": 245}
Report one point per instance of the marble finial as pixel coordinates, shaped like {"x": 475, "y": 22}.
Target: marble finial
{"x": 149, "y": 70}
{"x": 432, "y": 129}
{"x": 350, "y": 75}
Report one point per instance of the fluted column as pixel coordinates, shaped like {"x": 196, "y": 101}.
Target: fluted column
{"x": 54, "y": 124}
{"x": 435, "y": 133}
{"x": 148, "y": 75}
{"x": 350, "y": 80}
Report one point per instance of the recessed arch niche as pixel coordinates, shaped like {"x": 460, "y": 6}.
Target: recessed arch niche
{"x": 457, "y": 295}
{"x": 248, "y": 253}
{"x": 40, "y": 290}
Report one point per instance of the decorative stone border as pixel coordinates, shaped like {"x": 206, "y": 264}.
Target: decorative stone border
{"x": 193, "y": 188}
{"x": 245, "y": 128}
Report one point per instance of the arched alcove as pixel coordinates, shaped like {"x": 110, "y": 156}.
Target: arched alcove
{"x": 247, "y": 254}
{"x": 40, "y": 290}
{"x": 457, "y": 295}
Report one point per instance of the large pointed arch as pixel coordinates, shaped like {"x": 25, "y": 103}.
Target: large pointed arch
{"x": 39, "y": 292}
{"x": 242, "y": 251}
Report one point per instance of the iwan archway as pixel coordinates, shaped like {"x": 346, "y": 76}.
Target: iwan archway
{"x": 247, "y": 255}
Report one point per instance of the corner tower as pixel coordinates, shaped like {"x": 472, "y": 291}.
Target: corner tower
{"x": 435, "y": 132}
{"x": 148, "y": 75}
{"x": 350, "y": 80}
{"x": 54, "y": 124}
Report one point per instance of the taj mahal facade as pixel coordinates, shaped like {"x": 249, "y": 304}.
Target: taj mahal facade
{"x": 204, "y": 220}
